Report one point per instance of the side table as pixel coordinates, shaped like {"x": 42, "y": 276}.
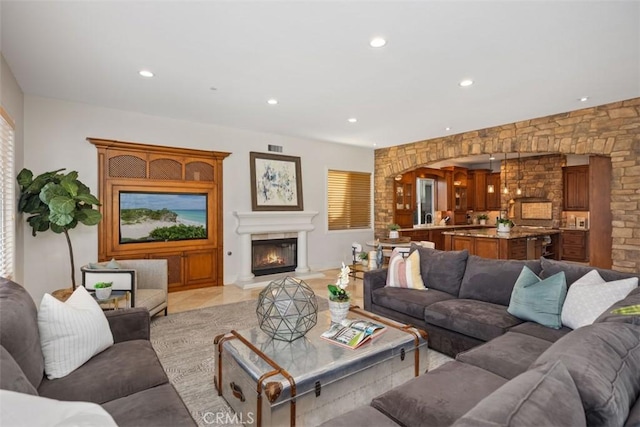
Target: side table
{"x": 113, "y": 302}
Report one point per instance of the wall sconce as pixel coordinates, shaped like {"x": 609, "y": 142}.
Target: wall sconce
{"x": 398, "y": 178}
{"x": 490, "y": 188}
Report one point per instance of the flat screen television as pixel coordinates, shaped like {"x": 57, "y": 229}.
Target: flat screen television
{"x": 162, "y": 216}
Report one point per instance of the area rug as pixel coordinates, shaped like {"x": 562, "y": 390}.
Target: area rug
{"x": 184, "y": 343}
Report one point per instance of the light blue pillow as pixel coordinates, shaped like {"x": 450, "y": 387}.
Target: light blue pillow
{"x": 539, "y": 300}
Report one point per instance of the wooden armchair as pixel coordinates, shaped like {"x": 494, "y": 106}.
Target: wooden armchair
{"x": 146, "y": 279}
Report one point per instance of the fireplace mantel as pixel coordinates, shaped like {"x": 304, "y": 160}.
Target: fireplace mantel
{"x": 272, "y": 222}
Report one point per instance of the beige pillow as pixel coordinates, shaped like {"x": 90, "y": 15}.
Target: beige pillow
{"x": 71, "y": 332}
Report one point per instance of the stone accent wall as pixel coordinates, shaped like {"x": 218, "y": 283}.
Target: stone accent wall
{"x": 610, "y": 130}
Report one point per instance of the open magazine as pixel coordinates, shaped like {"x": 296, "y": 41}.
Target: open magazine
{"x": 353, "y": 333}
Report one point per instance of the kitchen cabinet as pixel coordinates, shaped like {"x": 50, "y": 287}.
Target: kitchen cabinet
{"x": 494, "y": 202}
{"x": 404, "y": 206}
{"x": 477, "y": 189}
{"x": 457, "y": 193}
{"x": 575, "y": 245}
{"x": 576, "y": 188}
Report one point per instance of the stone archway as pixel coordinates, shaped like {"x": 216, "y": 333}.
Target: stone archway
{"x": 611, "y": 130}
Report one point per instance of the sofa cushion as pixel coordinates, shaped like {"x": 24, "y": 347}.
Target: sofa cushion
{"x": 573, "y": 272}
{"x": 19, "y": 333}
{"x": 545, "y": 396}
{"x": 11, "y": 376}
{"x": 71, "y": 332}
{"x": 634, "y": 416}
{"x": 492, "y": 280}
{"x": 156, "y": 406}
{"x": 539, "y": 331}
{"x": 404, "y": 273}
{"x": 439, "y": 397}
{"x": 122, "y": 369}
{"x": 590, "y": 296}
{"x": 632, "y": 299}
{"x": 603, "y": 360}
{"x": 508, "y": 355}
{"x": 442, "y": 270}
{"x": 478, "y": 319}
{"x": 409, "y": 301}
{"x": 25, "y": 410}
{"x": 538, "y": 300}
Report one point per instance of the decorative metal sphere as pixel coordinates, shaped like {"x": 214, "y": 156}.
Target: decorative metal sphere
{"x": 287, "y": 309}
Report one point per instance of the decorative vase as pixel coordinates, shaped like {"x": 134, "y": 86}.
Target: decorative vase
{"x": 394, "y": 234}
{"x": 103, "y": 293}
{"x": 338, "y": 310}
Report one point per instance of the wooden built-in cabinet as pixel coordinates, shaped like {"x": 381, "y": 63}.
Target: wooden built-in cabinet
{"x": 494, "y": 202}
{"x": 575, "y": 245}
{"x": 477, "y": 189}
{"x": 576, "y": 188}
{"x": 404, "y": 201}
{"x": 426, "y": 234}
{"x": 125, "y": 167}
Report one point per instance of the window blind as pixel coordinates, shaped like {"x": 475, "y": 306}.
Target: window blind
{"x": 349, "y": 200}
{"x": 7, "y": 196}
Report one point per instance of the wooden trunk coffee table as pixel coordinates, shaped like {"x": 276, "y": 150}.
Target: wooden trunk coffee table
{"x": 308, "y": 381}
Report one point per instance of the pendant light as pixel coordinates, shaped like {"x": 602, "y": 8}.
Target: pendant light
{"x": 519, "y": 190}
{"x": 490, "y": 188}
{"x": 505, "y": 190}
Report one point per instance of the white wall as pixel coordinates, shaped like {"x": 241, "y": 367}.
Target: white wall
{"x": 12, "y": 100}
{"x": 55, "y": 137}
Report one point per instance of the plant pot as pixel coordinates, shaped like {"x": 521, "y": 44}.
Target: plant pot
{"x": 364, "y": 262}
{"x": 338, "y": 310}
{"x": 394, "y": 234}
{"x": 103, "y": 293}
{"x": 504, "y": 228}
{"x": 483, "y": 222}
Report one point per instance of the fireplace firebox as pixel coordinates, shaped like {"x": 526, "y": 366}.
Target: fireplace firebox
{"x": 274, "y": 256}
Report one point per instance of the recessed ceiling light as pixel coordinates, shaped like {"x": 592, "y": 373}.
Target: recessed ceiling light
{"x": 375, "y": 145}
{"x": 377, "y": 42}
{"x": 447, "y": 128}
{"x": 272, "y": 101}
{"x": 352, "y": 120}
{"x": 584, "y": 99}
{"x": 145, "y": 73}
{"x": 466, "y": 82}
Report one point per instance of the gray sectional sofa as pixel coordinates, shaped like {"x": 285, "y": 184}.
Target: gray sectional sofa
{"x": 126, "y": 379}
{"x": 506, "y": 371}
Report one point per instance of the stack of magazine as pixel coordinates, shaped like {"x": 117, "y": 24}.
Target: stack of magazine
{"x": 353, "y": 333}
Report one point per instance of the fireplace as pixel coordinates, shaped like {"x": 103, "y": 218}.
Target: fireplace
{"x": 272, "y": 256}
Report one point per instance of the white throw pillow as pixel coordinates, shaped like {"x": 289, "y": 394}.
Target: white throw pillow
{"x": 26, "y": 410}
{"x": 589, "y": 297}
{"x": 71, "y": 332}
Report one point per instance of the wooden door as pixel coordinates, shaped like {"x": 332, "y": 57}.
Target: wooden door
{"x": 576, "y": 188}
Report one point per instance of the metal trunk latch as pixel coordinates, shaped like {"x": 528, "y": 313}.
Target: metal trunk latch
{"x": 402, "y": 353}
{"x": 318, "y": 388}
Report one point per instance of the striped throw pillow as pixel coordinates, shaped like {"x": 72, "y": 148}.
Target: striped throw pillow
{"x": 71, "y": 332}
{"x": 404, "y": 272}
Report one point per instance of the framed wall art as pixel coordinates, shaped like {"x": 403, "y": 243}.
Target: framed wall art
{"x": 276, "y": 182}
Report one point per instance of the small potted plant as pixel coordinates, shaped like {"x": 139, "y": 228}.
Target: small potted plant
{"x": 364, "y": 258}
{"x": 482, "y": 219}
{"x": 103, "y": 290}
{"x": 338, "y": 297}
{"x": 393, "y": 231}
{"x": 504, "y": 225}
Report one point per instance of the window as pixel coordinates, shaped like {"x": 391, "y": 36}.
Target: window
{"x": 349, "y": 200}
{"x": 7, "y": 199}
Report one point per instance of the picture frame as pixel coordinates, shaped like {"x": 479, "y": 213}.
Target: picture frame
{"x": 276, "y": 182}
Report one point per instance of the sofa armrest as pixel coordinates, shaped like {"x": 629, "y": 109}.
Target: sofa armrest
{"x": 373, "y": 280}
{"x": 129, "y": 324}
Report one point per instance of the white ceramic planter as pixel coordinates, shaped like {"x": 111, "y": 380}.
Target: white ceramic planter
{"x": 394, "y": 234}
{"x": 504, "y": 228}
{"x": 103, "y": 293}
{"x": 338, "y": 310}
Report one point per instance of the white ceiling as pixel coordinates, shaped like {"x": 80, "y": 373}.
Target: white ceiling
{"x": 527, "y": 58}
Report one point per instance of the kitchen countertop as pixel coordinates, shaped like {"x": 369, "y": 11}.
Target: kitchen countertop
{"x": 446, "y": 227}
{"x": 574, "y": 229}
{"x": 516, "y": 232}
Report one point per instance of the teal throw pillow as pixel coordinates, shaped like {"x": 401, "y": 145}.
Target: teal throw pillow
{"x": 539, "y": 300}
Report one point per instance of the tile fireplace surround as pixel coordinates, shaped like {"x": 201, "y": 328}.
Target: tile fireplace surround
{"x": 253, "y": 223}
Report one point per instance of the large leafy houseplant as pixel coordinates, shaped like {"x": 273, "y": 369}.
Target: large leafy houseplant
{"x": 57, "y": 201}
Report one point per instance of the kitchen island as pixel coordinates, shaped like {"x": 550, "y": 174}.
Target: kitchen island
{"x": 434, "y": 233}
{"x": 520, "y": 243}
